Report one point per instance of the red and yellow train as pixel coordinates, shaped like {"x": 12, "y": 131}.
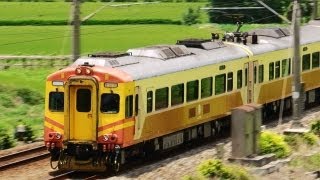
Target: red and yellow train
{"x": 107, "y": 109}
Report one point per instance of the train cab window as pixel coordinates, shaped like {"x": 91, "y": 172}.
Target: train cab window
{"x": 192, "y": 90}
{"x": 261, "y": 73}
{"x": 129, "y": 106}
{"x": 230, "y": 81}
{"x": 315, "y": 60}
{"x": 206, "y": 87}
{"x": 149, "y": 101}
{"x": 56, "y": 101}
{"x": 271, "y": 71}
{"x": 305, "y": 62}
{"x": 239, "y": 79}
{"x": 177, "y": 94}
{"x": 277, "y": 70}
{"x": 285, "y": 69}
{"x": 110, "y": 103}
{"x": 83, "y": 100}
{"x": 162, "y": 98}
{"x": 220, "y": 84}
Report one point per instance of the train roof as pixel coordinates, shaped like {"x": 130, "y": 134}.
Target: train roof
{"x": 146, "y": 62}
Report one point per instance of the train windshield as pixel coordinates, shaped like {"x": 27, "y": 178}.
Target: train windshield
{"x": 56, "y": 101}
{"x": 109, "y": 103}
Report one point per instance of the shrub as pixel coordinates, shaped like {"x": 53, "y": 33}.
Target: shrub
{"x": 274, "y": 143}
{"x": 215, "y": 169}
{"x": 6, "y": 141}
{"x": 30, "y": 97}
{"x": 315, "y": 127}
{"x": 191, "y": 17}
{"x": 29, "y": 135}
{"x": 6, "y": 101}
{"x": 310, "y": 138}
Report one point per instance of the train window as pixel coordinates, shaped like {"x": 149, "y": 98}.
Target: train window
{"x": 239, "y": 79}
{"x": 149, "y": 101}
{"x": 271, "y": 71}
{"x": 261, "y": 73}
{"x": 110, "y": 103}
{"x": 230, "y": 81}
{"x": 136, "y": 105}
{"x": 255, "y": 74}
{"x": 246, "y": 77}
{"x": 56, "y": 101}
{"x": 206, "y": 87}
{"x": 83, "y": 100}
{"x": 177, "y": 94}
{"x": 305, "y": 62}
{"x": 277, "y": 70}
{"x": 315, "y": 60}
{"x": 192, "y": 90}
{"x": 289, "y": 66}
{"x": 220, "y": 84}
{"x": 129, "y": 106}
{"x": 162, "y": 96}
{"x": 284, "y": 67}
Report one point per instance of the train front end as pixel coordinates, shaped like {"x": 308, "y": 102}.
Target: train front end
{"x": 85, "y": 128}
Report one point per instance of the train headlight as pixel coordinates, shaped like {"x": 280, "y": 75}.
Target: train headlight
{"x": 78, "y": 71}
{"x": 105, "y": 137}
{"x": 58, "y": 136}
{"x": 88, "y": 71}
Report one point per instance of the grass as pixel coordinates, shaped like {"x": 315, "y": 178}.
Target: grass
{"x": 12, "y": 107}
{"x": 309, "y": 163}
{"x": 61, "y": 11}
{"x": 55, "y": 40}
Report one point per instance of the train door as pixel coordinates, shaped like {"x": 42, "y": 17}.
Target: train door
{"x": 82, "y": 110}
{"x": 250, "y": 73}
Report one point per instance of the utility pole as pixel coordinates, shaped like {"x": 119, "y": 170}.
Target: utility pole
{"x": 296, "y": 87}
{"x": 315, "y": 9}
{"x": 76, "y": 30}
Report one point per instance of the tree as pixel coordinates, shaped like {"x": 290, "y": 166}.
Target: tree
{"x": 283, "y": 7}
{"x": 191, "y": 17}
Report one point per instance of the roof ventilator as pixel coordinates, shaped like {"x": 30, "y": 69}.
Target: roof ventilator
{"x": 110, "y": 54}
{"x": 206, "y": 44}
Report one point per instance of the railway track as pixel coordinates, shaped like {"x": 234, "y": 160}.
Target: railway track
{"x": 23, "y": 157}
{"x": 76, "y": 175}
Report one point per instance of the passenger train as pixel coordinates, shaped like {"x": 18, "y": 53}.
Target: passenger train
{"x": 109, "y": 108}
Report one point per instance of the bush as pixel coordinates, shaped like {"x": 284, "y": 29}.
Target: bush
{"x": 30, "y": 97}
{"x": 274, "y": 143}
{"x": 191, "y": 17}
{"x": 29, "y": 135}
{"x": 310, "y": 138}
{"x": 215, "y": 169}
{"x": 6, "y": 141}
{"x": 315, "y": 127}
{"x": 6, "y": 101}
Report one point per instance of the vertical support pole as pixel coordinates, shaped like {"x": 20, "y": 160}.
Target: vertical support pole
{"x": 76, "y": 30}
{"x": 296, "y": 88}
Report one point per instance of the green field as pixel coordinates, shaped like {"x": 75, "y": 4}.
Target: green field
{"x": 18, "y": 11}
{"x": 55, "y": 40}
{"x": 21, "y": 98}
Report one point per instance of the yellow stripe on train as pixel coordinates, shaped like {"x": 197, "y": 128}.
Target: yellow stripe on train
{"x": 116, "y": 128}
